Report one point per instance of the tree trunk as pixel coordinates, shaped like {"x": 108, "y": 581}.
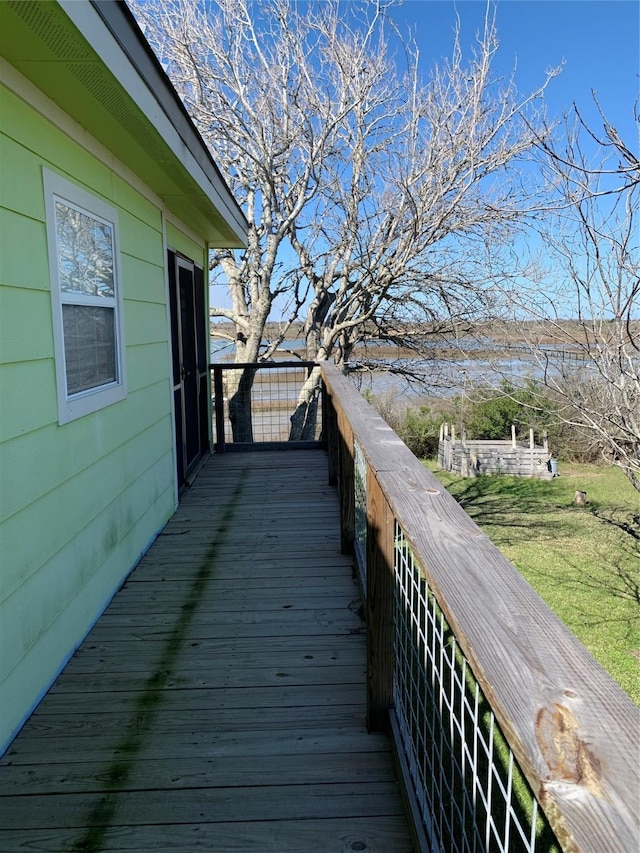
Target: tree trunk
{"x": 633, "y": 478}
{"x": 239, "y": 385}
{"x": 304, "y": 419}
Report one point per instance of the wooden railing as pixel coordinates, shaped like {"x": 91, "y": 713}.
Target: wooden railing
{"x": 253, "y": 404}
{"x": 510, "y": 735}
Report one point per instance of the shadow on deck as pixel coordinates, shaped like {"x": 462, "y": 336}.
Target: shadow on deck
{"x": 219, "y": 703}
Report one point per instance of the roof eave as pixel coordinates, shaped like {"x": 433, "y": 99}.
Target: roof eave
{"x": 92, "y": 60}
{"x": 124, "y": 28}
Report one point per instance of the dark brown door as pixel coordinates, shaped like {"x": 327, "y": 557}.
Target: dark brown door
{"x": 190, "y": 363}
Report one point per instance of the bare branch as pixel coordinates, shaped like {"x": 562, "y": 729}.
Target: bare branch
{"x": 580, "y": 314}
{"x": 367, "y": 188}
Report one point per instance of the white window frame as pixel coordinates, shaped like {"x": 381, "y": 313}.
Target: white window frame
{"x": 81, "y": 403}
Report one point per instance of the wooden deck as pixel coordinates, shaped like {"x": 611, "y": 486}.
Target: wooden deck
{"x": 219, "y": 703}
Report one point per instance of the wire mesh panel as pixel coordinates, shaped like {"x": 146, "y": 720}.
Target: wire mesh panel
{"x": 266, "y": 403}
{"x": 360, "y": 487}
{"x": 470, "y": 791}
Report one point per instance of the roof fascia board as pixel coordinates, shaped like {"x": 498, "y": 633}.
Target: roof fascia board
{"x": 125, "y": 29}
{"x": 155, "y": 103}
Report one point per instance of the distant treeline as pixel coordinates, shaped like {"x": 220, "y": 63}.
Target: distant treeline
{"x": 563, "y": 333}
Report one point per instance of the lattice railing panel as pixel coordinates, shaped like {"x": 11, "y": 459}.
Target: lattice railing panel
{"x": 471, "y": 794}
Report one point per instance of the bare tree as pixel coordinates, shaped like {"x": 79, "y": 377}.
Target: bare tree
{"x": 582, "y": 313}
{"x": 427, "y": 175}
{"x": 364, "y": 187}
{"x": 246, "y": 78}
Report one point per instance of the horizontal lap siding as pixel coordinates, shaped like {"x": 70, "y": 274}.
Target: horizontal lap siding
{"x": 184, "y": 243}
{"x": 79, "y": 502}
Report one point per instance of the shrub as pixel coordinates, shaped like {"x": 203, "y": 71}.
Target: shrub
{"x": 492, "y": 418}
{"x": 486, "y": 414}
{"x": 421, "y": 431}
{"x": 418, "y": 427}
{"x": 389, "y": 405}
{"x": 490, "y": 413}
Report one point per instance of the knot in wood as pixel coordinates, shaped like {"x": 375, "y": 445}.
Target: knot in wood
{"x": 567, "y": 756}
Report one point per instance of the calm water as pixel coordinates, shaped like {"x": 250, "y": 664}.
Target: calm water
{"x": 438, "y": 377}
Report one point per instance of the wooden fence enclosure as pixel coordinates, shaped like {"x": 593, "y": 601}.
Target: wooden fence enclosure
{"x": 470, "y": 457}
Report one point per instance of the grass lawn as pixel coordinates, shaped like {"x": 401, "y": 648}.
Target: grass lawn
{"x": 584, "y": 561}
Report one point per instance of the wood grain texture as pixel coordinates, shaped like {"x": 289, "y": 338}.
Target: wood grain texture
{"x": 575, "y": 733}
{"x": 220, "y": 702}
{"x": 375, "y": 834}
{"x": 379, "y": 607}
{"x": 346, "y": 475}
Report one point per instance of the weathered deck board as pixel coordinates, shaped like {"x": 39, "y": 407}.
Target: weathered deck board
{"x": 244, "y": 676}
{"x": 113, "y": 656}
{"x": 326, "y": 836}
{"x": 176, "y": 698}
{"x": 302, "y": 736}
{"x": 82, "y": 737}
{"x": 219, "y": 771}
{"x": 220, "y": 701}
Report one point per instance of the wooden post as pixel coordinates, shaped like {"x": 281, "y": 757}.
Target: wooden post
{"x": 379, "y": 606}
{"x": 532, "y": 461}
{"x": 513, "y": 435}
{"x": 218, "y": 402}
{"x": 324, "y": 397}
{"x": 545, "y": 441}
{"x": 464, "y": 463}
{"x": 347, "y": 486}
{"x": 330, "y": 435}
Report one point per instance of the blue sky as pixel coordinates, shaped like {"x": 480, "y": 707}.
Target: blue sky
{"x": 596, "y": 39}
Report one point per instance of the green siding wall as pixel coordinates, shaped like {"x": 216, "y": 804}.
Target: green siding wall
{"x": 181, "y": 242}
{"x": 79, "y": 503}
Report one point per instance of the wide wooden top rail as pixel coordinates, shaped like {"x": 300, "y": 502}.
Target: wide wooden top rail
{"x": 572, "y": 729}
{"x": 262, "y": 365}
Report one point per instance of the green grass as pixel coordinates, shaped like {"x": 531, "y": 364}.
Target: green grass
{"x": 583, "y": 561}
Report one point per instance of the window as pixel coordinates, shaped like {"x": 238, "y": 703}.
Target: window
{"x": 82, "y": 233}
